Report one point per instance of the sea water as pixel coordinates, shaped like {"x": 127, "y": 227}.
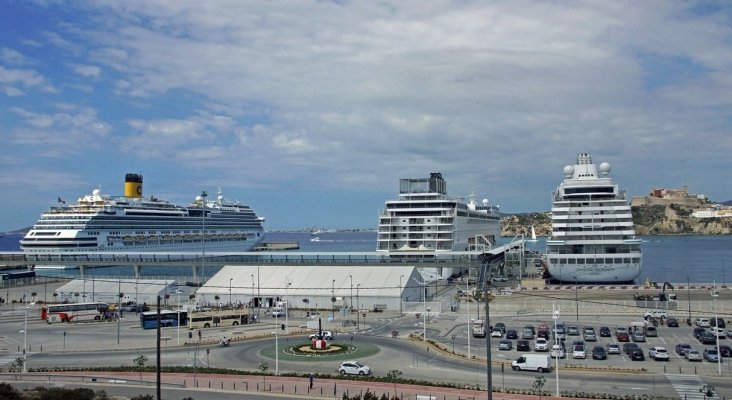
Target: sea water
{"x": 701, "y": 259}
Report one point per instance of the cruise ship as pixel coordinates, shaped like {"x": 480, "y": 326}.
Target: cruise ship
{"x": 593, "y": 238}
{"x": 132, "y": 223}
{"x": 425, "y": 219}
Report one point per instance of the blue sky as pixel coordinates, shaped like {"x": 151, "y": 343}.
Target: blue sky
{"x": 312, "y": 111}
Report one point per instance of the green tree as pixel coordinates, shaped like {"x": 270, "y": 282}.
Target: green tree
{"x": 263, "y": 368}
{"x": 707, "y": 391}
{"x": 140, "y": 363}
{"x": 8, "y": 392}
{"x": 538, "y": 386}
{"x": 393, "y": 376}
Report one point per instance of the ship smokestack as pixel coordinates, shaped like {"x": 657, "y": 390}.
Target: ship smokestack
{"x": 133, "y": 186}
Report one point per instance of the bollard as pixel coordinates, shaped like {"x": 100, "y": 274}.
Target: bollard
{"x": 234, "y": 385}
{"x": 257, "y": 386}
{"x": 222, "y": 385}
{"x": 334, "y": 389}
{"x": 209, "y": 384}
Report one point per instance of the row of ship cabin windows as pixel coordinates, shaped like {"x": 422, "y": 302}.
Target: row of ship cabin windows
{"x": 573, "y": 261}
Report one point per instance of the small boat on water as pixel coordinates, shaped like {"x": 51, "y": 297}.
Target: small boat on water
{"x": 533, "y": 235}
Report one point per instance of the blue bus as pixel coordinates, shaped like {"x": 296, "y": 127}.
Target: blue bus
{"x": 149, "y": 319}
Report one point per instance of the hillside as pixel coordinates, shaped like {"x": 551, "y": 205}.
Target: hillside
{"x": 672, "y": 219}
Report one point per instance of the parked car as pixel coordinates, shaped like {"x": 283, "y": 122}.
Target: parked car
{"x": 523, "y": 345}
{"x": 557, "y": 351}
{"x": 672, "y": 322}
{"x": 693, "y": 355}
{"x": 500, "y": 326}
{"x": 354, "y": 368}
{"x": 542, "y": 333}
{"x": 511, "y": 334}
{"x": 589, "y": 334}
{"x": 620, "y": 329}
{"x": 718, "y": 331}
{"x": 578, "y": 351}
{"x": 541, "y": 344}
{"x": 658, "y": 313}
{"x": 628, "y": 347}
{"x": 702, "y": 322}
{"x": 711, "y": 355}
{"x": 698, "y": 332}
{"x": 639, "y": 336}
{"x": 637, "y": 355}
{"x": 605, "y": 331}
{"x": 573, "y": 331}
{"x": 613, "y": 348}
{"x": 651, "y": 331}
{"x": 499, "y": 279}
{"x": 496, "y": 332}
{"x": 725, "y": 351}
{"x": 505, "y": 345}
{"x": 682, "y": 348}
{"x": 527, "y": 333}
{"x": 708, "y": 338}
{"x": 658, "y": 353}
{"x": 599, "y": 353}
{"x": 623, "y": 337}
{"x": 717, "y": 322}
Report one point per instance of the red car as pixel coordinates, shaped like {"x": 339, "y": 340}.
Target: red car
{"x": 623, "y": 337}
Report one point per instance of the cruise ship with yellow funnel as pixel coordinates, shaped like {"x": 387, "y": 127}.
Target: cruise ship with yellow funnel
{"x": 99, "y": 222}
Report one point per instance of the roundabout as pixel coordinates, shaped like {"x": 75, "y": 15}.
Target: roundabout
{"x": 303, "y": 350}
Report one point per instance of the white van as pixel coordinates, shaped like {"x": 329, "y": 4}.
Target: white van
{"x": 532, "y": 362}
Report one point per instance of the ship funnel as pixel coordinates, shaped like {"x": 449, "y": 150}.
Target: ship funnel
{"x": 133, "y": 185}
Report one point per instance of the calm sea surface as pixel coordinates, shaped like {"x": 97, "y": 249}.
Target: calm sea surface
{"x": 702, "y": 259}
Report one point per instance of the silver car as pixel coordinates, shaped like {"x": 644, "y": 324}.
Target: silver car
{"x": 693, "y": 355}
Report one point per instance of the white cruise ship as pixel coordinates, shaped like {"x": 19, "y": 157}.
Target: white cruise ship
{"x": 593, "y": 238}
{"x": 425, "y": 219}
{"x": 131, "y": 223}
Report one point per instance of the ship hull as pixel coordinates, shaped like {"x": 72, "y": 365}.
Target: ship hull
{"x": 595, "y": 273}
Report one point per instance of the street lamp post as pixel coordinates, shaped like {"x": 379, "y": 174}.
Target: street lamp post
{"x": 555, "y": 315}
{"x": 230, "y": 303}
{"x": 715, "y": 294}
{"x": 688, "y": 298}
{"x": 424, "y": 326}
{"x": 358, "y": 308}
{"x": 350, "y": 305}
{"x": 332, "y": 301}
{"x": 203, "y": 234}
{"x": 576, "y": 298}
{"x": 470, "y": 333}
{"x": 252, "y": 306}
{"x": 277, "y": 353}
{"x": 287, "y": 308}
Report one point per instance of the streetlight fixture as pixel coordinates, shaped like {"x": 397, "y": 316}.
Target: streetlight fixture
{"x": 230, "y": 303}
{"x": 576, "y": 298}
{"x": 470, "y": 333}
{"x": 426, "y": 321}
{"x": 252, "y": 306}
{"x": 424, "y": 306}
{"x": 277, "y": 353}
{"x": 25, "y": 337}
{"x": 332, "y": 301}
{"x": 203, "y": 234}
{"x": 715, "y": 294}
{"x": 358, "y": 308}
{"x": 350, "y": 305}
{"x": 688, "y": 298}
{"x": 287, "y": 308}
{"x": 555, "y": 316}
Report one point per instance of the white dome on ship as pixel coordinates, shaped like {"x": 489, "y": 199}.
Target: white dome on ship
{"x": 605, "y": 168}
{"x": 485, "y": 202}
{"x": 96, "y": 192}
{"x": 199, "y": 198}
{"x": 568, "y": 171}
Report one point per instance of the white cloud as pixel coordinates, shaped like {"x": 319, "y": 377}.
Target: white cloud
{"x": 87, "y": 71}
{"x": 11, "y": 56}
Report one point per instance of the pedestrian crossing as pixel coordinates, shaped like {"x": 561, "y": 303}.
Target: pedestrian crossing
{"x": 688, "y": 386}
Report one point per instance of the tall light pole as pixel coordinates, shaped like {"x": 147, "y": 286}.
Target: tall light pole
{"x": 25, "y": 337}
{"x": 358, "y": 308}
{"x": 715, "y": 294}
{"x": 576, "y": 298}
{"x": 230, "y": 303}
{"x": 401, "y": 312}
{"x": 332, "y": 301}
{"x": 277, "y": 353}
{"x": 252, "y": 291}
{"x": 350, "y": 305}
{"x": 688, "y": 298}
{"x": 203, "y": 234}
{"x": 470, "y": 320}
{"x": 555, "y": 315}
{"x": 287, "y": 308}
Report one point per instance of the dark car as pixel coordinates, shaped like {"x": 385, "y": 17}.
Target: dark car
{"x": 718, "y": 322}
{"x": 637, "y": 355}
{"x": 698, "y": 332}
{"x": 500, "y": 327}
{"x": 511, "y": 334}
{"x": 605, "y": 331}
{"x": 630, "y": 346}
{"x": 682, "y": 348}
{"x": 543, "y": 333}
{"x": 672, "y": 322}
{"x": 598, "y": 353}
{"x": 708, "y": 338}
{"x": 725, "y": 351}
{"x": 523, "y": 345}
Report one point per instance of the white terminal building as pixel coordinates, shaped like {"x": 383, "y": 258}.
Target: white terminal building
{"x": 313, "y": 286}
